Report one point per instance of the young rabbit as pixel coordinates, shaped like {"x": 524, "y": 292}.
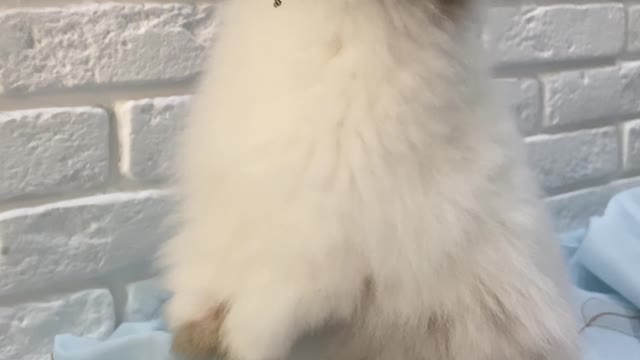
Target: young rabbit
{"x": 346, "y": 171}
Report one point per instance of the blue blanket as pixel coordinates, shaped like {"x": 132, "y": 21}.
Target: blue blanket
{"x": 604, "y": 262}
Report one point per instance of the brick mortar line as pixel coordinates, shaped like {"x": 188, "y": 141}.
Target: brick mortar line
{"x": 19, "y": 4}
{"x": 115, "y": 188}
{"x": 105, "y": 97}
{"x": 594, "y": 186}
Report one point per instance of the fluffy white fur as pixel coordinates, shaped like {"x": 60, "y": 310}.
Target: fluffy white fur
{"x": 346, "y": 165}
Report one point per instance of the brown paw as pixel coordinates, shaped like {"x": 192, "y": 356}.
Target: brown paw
{"x": 201, "y": 338}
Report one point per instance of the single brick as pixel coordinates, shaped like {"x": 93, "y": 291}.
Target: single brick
{"x": 624, "y": 185}
{"x": 147, "y": 132}
{"x": 575, "y": 97}
{"x": 558, "y": 32}
{"x": 631, "y": 145}
{"x": 98, "y": 44}
{"x": 50, "y": 151}
{"x": 633, "y": 28}
{"x": 572, "y": 158}
{"x": 144, "y": 300}
{"x": 80, "y": 238}
{"x": 572, "y": 211}
{"x": 28, "y": 329}
{"x": 523, "y": 99}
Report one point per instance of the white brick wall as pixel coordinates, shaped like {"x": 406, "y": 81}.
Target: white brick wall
{"x": 93, "y": 93}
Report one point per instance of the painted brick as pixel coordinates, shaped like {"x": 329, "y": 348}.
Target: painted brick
{"x": 573, "y": 210}
{"x": 633, "y": 28}
{"x": 51, "y": 151}
{"x": 631, "y": 145}
{"x": 573, "y": 158}
{"x": 147, "y": 132}
{"x": 98, "y": 44}
{"x": 524, "y": 100}
{"x": 558, "y": 32}
{"x": 576, "y": 97}
{"x": 28, "y": 329}
{"x": 621, "y": 185}
{"x": 80, "y": 238}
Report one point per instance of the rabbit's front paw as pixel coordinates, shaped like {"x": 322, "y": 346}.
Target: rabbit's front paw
{"x": 202, "y": 338}
{"x": 253, "y": 328}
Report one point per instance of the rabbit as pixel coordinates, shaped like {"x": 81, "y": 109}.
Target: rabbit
{"x": 350, "y": 181}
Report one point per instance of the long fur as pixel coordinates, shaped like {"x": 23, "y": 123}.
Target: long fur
{"x": 346, "y": 167}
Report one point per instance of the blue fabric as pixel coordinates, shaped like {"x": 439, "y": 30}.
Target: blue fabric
{"x": 131, "y": 341}
{"x": 604, "y": 263}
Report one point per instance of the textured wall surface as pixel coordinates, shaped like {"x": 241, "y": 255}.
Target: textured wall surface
{"x": 93, "y": 93}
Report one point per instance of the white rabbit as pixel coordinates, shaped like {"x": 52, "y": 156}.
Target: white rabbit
{"x": 347, "y": 168}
